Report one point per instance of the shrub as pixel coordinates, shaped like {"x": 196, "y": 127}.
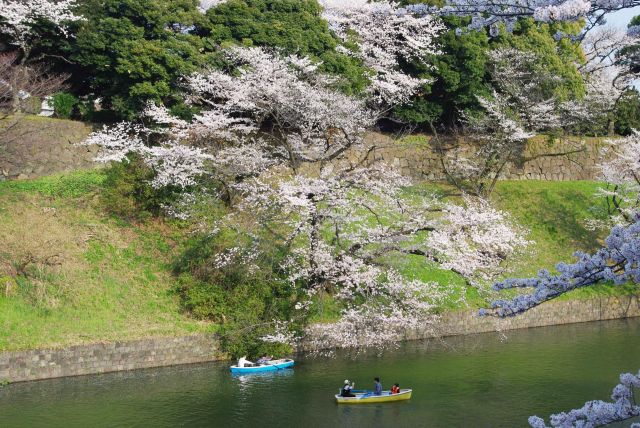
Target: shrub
{"x": 243, "y": 300}
{"x": 128, "y": 194}
{"x": 64, "y": 104}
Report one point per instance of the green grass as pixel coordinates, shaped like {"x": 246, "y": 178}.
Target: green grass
{"x": 554, "y": 213}
{"x": 110, "y": 280}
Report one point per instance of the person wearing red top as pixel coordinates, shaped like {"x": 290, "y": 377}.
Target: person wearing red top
{"x": 395, "y": 389}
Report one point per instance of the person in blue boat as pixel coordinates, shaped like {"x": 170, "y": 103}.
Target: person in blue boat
{"x": 346, "y": 389}
{"x": 264, "y": 359}
{"x": 377, "y": 388}
{"x": 243, "y": 362}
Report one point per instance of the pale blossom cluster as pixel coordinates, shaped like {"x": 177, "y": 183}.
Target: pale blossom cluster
{"x": 205, "y": 5}
{"x": 385, "y": 37}
{"x": 620, "y": 168}
{"x": 312, "y": 120}
{"x": 568, "y": 10}
{"x": 175, "y": 163}
{"x": 475, "y": 239}
{"x": 281, "y": 334}
{"x": 17, "y": 16}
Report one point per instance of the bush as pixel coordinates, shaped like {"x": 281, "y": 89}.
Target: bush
{"x": 64, "y": 104}
{"x": 243, "y": 300}
{"x": 128, "y": 194}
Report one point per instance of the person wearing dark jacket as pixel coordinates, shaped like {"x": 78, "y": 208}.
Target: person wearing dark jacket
{"x": 346, "y": 389}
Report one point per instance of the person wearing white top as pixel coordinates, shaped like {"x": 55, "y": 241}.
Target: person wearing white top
{"x": 243, "y": 361}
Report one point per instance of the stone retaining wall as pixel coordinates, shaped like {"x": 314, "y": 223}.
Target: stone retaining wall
{"x": 36, "y": 146}
{"x": 551, "y": 313}
{"x": 541, "y": 160}
{"x": 119, "y": 356}
{"x": 107, "y": 357}
{"x": 40, "y": 146}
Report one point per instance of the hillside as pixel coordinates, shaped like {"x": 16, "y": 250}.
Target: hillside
{"x": 73, "y": 274}
{"x": 70, "y": 274}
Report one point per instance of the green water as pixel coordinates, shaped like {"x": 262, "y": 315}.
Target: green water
{"x": 475, "y": 381}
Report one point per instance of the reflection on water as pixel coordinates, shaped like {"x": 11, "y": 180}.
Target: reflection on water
{"x": 478, "y": 380}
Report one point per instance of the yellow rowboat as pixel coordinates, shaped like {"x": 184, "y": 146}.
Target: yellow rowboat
{"x": 363, "y": 397}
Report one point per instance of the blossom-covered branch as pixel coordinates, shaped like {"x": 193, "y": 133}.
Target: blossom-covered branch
{"x": 598, "y": 413}
{"x": 618, "y": 262}
{"x": 493, "y": 13}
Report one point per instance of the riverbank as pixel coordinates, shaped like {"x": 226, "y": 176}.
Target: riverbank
{"x": 477, "y": 380}
{"x": 168, "y": 351}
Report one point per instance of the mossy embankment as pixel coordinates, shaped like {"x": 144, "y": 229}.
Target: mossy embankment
{"x": 71, "y": 273}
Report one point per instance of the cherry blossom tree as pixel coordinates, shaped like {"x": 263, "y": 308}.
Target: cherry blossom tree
{"x": 290, "y": 148}
{"x": 17, "y": 18}
{"x": 523, "y": 103}
{"x": 620, "y": 170}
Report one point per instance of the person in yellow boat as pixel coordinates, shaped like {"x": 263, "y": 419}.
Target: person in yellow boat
{"x": 395, "y": 389}
{"x": 377, "y": 387}
{"x": 346, "y": 389}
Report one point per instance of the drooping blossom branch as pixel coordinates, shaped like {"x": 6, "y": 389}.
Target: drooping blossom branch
{"x": 618, "y": 262}
{"x": 598, "y": 413}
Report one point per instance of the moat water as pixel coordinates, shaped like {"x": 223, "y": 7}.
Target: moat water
{"x": 487, "y": 380}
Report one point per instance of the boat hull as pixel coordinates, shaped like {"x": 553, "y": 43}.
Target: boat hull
{"x": 272, "y": 366}
{"x": 368, "y": 397}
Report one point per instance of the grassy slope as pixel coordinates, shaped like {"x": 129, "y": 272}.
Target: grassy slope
{"x": 554, "y": 215}
{"x": 92, "y": 279}
{"x": 111, "y": 280}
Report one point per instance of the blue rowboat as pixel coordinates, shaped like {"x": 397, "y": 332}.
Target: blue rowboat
{"x": 267, "y": 367}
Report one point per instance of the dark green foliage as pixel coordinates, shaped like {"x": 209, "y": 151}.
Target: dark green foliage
{"x": 243, "y": 299}
{"x": 295, "y": 26}
{"x": 64, "y": 104}
{"x": 459, "y": 77}
{"x": 460, "y": 72}
{"x": 630, "y": 55}
{"x": 128, "y": 194}
{"x": 627, "y": 114}
{"x": 132, "y": 51}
